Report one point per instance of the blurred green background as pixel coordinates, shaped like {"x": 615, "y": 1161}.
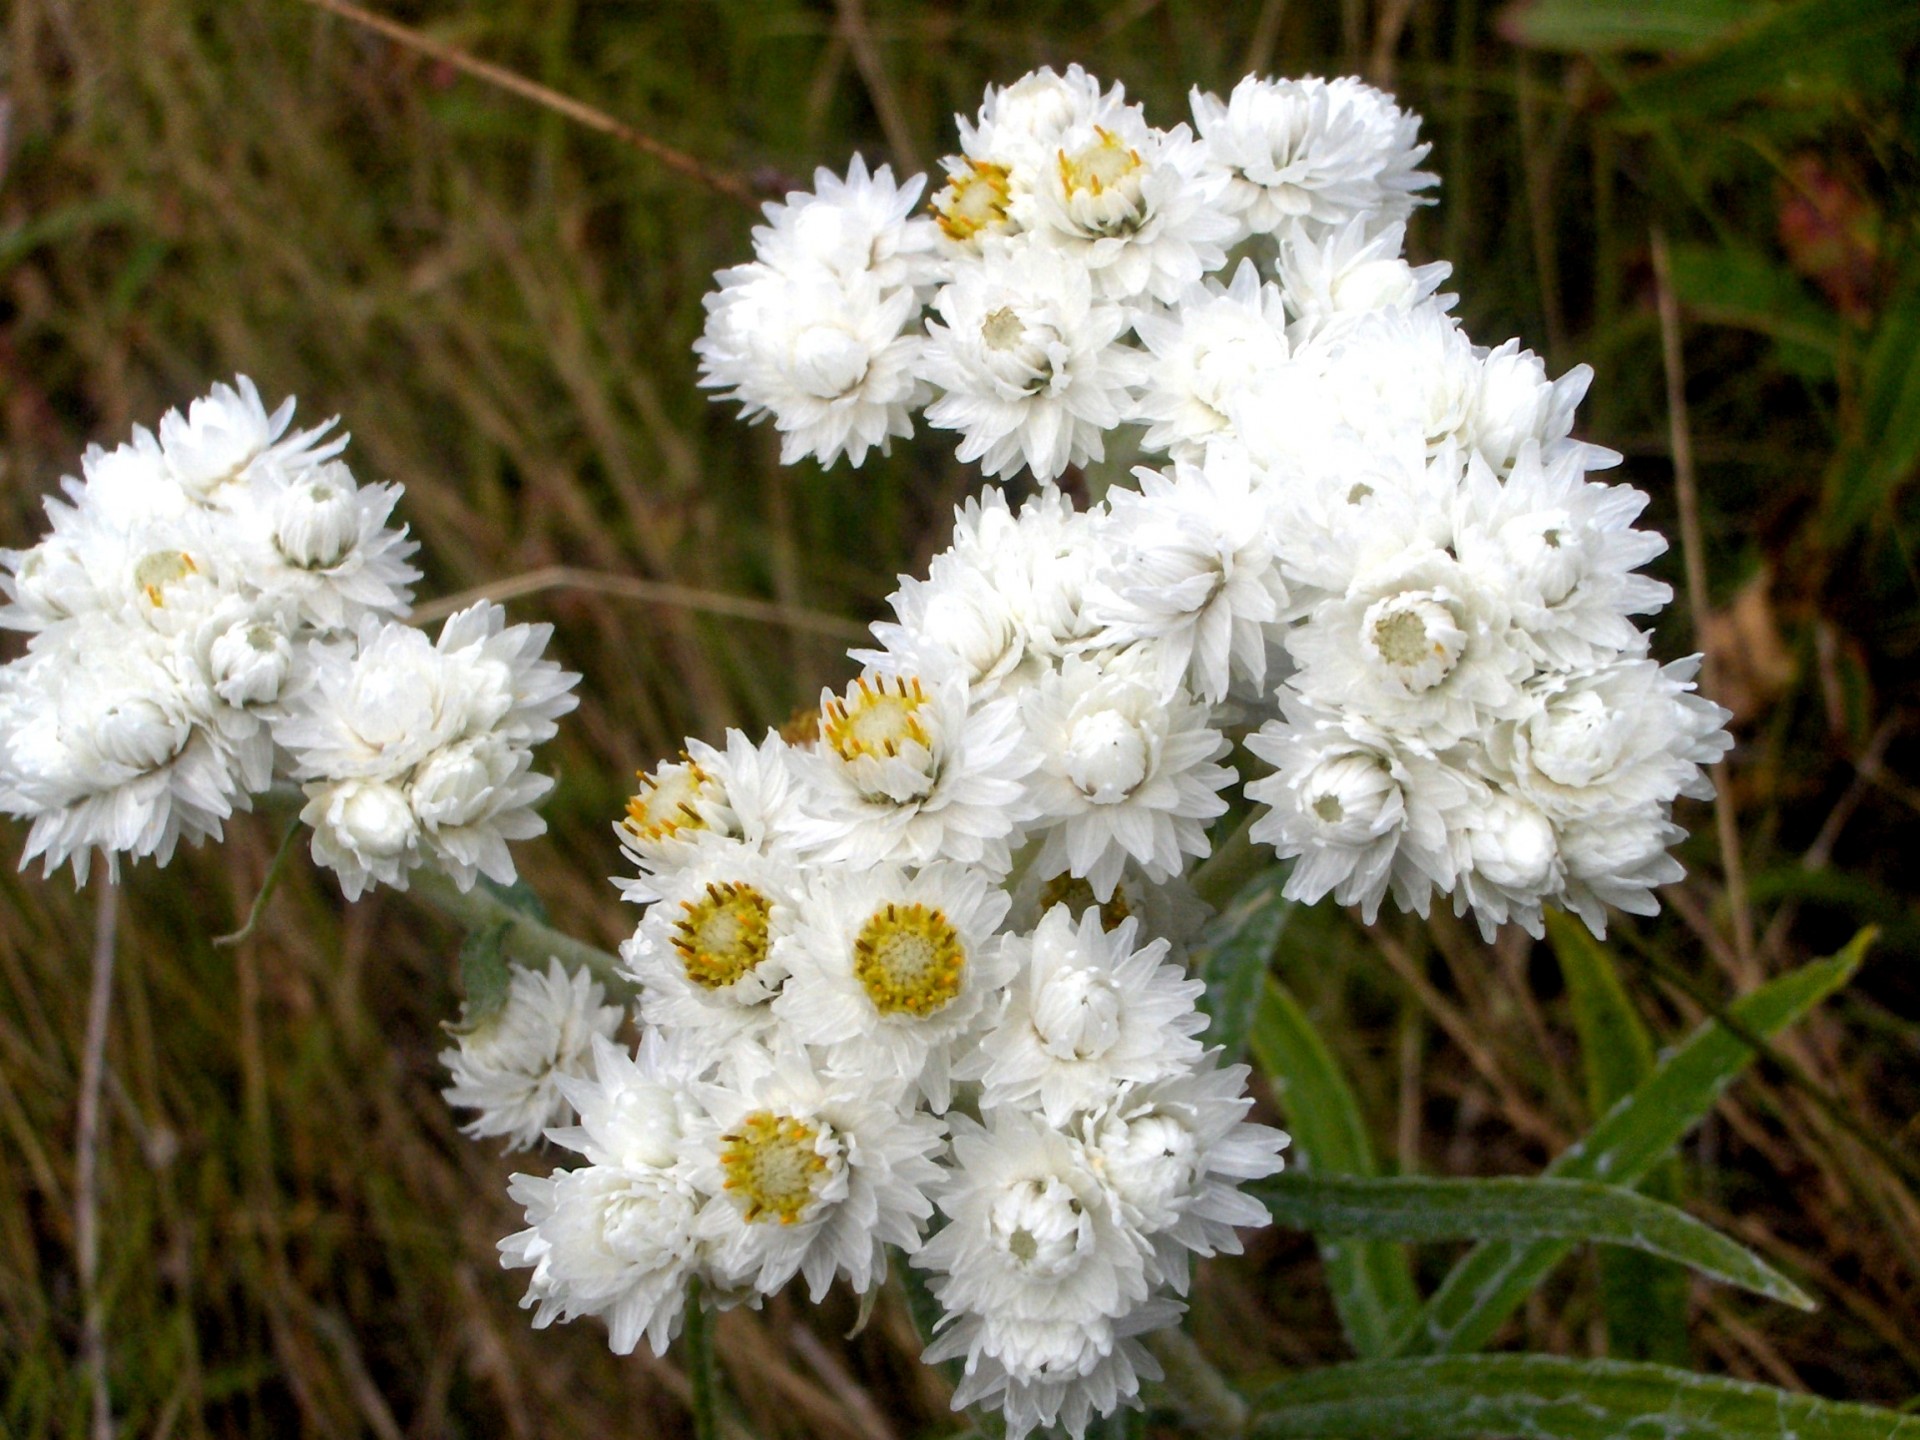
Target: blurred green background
{"x": 501, "y": 303}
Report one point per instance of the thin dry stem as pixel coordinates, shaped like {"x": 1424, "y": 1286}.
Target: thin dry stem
{"x": 652, "y": 592}
{"x": 579, "y": 112}
{"x": 86, "y": 1146}
{"x": 1693, "y": 553}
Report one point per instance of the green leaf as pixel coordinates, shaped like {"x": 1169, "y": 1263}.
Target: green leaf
{"x": 1234, "y": 953}
{"x": 1494, "y": 1278}
{"x": 517, "y": 896}
{"x": 1882, "y": 448}
{"x": 1590, "y": 27}
{"x": 1747, "y": 289}
{"x": 1418, "y": 1208}
{"x": 1548, "y": 1397}
{"x": 1812, "y": 50}
{"x": 1371, "y": 1280}
{"x": 485, "y": 976}
{"x": 1645, "y": 1301}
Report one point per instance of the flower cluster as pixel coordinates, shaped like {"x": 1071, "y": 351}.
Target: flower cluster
{"x": 217, "y": 606}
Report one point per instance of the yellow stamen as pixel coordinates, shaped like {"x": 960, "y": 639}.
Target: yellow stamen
{"x": 1076, "y": 894}
{"x": 664, "y": 806}
{"x": 910, "y": 960}
{"x": 878, "y": 721}
{"x": 722, "y": 935}
{"x": 974, "y": 199}
{"x": 772, "y": 1164}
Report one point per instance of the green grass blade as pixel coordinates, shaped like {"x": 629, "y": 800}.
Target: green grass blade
{"x": 1419, "y": 1209}
{"x": 1548, "y": 1397}
{"x": 1371, "y": 1280}
{"x": 1644, "y": 1300}
{"x": 1494, "y": 1278}
{"x": 1233, "y": 957}
{"x": 1883, "y": 444}
{"x": 1604, "y": 26}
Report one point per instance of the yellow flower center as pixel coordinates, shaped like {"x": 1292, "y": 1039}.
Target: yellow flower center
{"x": 910, "y": 960}
{"x": 1076, "y": 894}
{"x": 160, "y": 569}
{"x": 722, "y": 935}
{"x": 877, "y": 720}
{"x": 1097, "y": 167}
{"x": 773, "y": 1164}
{"x": 974, "y": 199}
{"x": 665, "y": 803}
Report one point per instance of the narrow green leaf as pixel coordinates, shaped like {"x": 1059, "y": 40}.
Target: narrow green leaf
{"x": 1811, "y": 50}
{"x": 1589, "y": 27}
{"x": 1742, "y": 287}
{"x": 1419, "y": 1209}
{"x": 1644, "y": 1300}
{"x": 1548, "y": 1397}
{"x": 1234, "y": 953}
{"x": 1882, "y": 447}
{"x": 518, "y": 896}
{"x": 1492, "y": 1280}
{"x": 1371, "y": 1280}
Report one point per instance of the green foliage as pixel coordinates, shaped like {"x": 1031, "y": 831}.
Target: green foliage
{"x": 1371, "y": 1280}
{"x": 1547, "y": 1397}
{"x": 1423, "y": 1209}
{"x": 1496, "y": 1277}
{"x": 1645, "y": 1301}
{"x": 1233, "y": 956}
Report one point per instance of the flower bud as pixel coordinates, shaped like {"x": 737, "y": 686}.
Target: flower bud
{"x": 371, "y": 818}
{"x": 316, "y": 522}
{"x": 250, "y": 662}
{"x": 1107, "y": 756}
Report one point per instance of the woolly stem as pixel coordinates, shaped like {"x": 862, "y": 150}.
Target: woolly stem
{"x": 525, "y": 939}
{"x": 86, "y": 1147}
{"x": 697, "y": 1336}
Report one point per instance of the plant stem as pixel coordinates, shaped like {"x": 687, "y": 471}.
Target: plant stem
{"x": 86, "y": 1146}
{"x": 698, "y": 1338}
{"x": 1201, "y": 1391}
{"x": 526, "y": 939}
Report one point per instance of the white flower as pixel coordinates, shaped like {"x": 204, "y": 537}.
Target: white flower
{"x": 1211, "y": 347}
{"x": 1513, "y": 865}
{"x": 905, "y": 771}
{"x": 1030, "y": 363}
{"x": 1394, "y": 375}
{"x": 827, "y": 354}
{"x": 250, "y": 661}
{"x": 1019, "y": 126}
{"x": 616, "y": 1238}
{"x": 1174, "y": 1151}
{"x": 705, "y": 952}
{"x": 411, "y": 747}
{"x": 1085, "y": 1012}
{"x": 1033, "y": 1267}
{"x": 1071, "y": 1372}
{"x": 108, "y": 739}
{"x": 887, "y": 972}
{"x": 319, "y": 541}
{"x": 1568, "y": 551}
{"x": 1420, "y": 645}
{"x": 507, "y": 1066}
{"x": 225, "y": 433}
{"x": 812, "y": 1176}
{"x": 856, "y": 226}
{"x": 1137, "y": 207}
{"x": 1515, "y": 403}
{"x": 1351, "y": 269}
{"x": 958, "y": 619}
{"x": 744, "y": 792}
{"x": 1193, "y": 573}
{"x": 1312, "y": 150}
{"x": 1169, "y": 909}
{"x": 1126, "y": 771}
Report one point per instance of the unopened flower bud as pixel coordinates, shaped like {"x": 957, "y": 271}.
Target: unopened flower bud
{"x": 316, "y": 523}
{"x": 250, "y": 663}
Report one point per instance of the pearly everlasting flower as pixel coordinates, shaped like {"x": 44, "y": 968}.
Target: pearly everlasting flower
{"x": 1019, "y": 128}
{"x": 887, "y": 972}
{"x": 1512, "y": 864}
{"x": 1174, "y": 1152}
{"x": 852, "y": 227}
{"x": 1212, "y": 347}
{"x": 706, "y": 953}
{"x": 828, "y": 355}
{"x": 1194, "y": 574}
{"x": 1085, "y": 1012}
{"x": 319, "y": 542}
{"x": 616, "y": 1238}
{"x": 226, "y": 433}
{"x": 907, "y": 771}
{"x": 1350, "y": 270}
{"x": 1029, "y": 363}
{"x": 1126, "y": 772}
{"x": 743, "y": 792}
{"x": 1360, "y": 811}
{"x": 1312, "y": 150}
{"x": 508, "y": 1065}
{"x": 1038, "y": 1273}
{"x": 812, "y": 1175}
{"x": 1137, "y": 208}
{"x": 411, "y": 747}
